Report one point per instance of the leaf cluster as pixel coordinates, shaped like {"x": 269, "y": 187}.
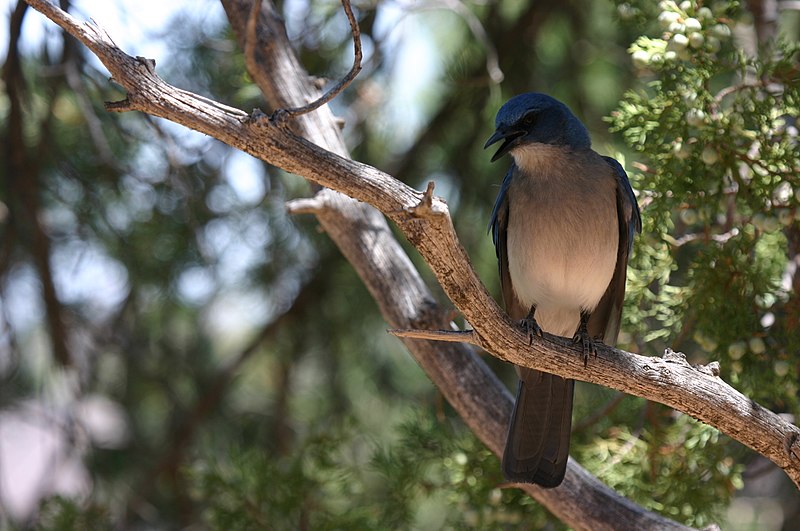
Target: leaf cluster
{"x": 718, "y": 178}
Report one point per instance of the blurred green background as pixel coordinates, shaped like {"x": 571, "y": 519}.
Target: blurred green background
{"x": 177, "y": 352}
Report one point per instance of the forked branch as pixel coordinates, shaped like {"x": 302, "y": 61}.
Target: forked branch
{"x": 425, "y": 221}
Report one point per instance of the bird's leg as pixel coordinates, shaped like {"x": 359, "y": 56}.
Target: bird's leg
{"x": 582, "y": 336}
{"x": 530, "y": 325}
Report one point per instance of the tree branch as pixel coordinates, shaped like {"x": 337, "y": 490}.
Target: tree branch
{"x": 463, "y": 378}
{"x": 455, "y": 336}
{"x": 343, "y": 83}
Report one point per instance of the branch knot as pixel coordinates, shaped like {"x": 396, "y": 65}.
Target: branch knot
{"x": 670, "y": 356}
{"x": 146, "y": 65}
{"x": 711, "y": 369}
{"x": 426, "y": 208}
{"x": 789, "y": 442}
{"x": 256, "y": 117}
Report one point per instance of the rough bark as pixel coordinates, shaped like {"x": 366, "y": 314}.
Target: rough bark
{"x": 365, "y": 239}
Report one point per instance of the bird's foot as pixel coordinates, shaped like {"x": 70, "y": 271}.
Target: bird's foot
{"x": 587, "y": 342}
{"x": 530, "y": 326}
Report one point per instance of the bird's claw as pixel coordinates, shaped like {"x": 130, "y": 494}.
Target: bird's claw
{"x": 587, "y": 343}
{"x": 531, "y": 328}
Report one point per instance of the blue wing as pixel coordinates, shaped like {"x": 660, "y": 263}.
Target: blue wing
{"x": 609, "y": 311}
{"x": 499, "y": 219}
{"x": 497, "y": 226}
{"x": 626, "y": 200}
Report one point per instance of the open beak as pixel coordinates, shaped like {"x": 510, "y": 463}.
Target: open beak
{"x": 510, "y": 138}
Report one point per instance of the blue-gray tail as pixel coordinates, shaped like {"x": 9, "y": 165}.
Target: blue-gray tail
{"x": 537, "y": 447}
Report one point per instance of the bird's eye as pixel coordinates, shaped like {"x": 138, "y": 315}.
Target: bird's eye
{"x": 529, "y": 119}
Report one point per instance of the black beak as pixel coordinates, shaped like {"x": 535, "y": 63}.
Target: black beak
{"x": 510, "y": 138}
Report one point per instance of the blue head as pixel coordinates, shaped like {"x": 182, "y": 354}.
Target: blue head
{"x": 535, "y": 118}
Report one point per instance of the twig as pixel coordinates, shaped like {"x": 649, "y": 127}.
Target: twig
{"x": 452, "y": 336}
{"x": 727, "y": 91}
{"x": 305, "y": 205}
{"x": 719, "y": 238}
{"x": 282, "y": 114}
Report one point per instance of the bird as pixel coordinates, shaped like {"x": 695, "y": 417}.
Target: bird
{"x": 563, "y": 227}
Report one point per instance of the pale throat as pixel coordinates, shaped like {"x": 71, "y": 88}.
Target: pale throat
{"x": 530, "y": 158}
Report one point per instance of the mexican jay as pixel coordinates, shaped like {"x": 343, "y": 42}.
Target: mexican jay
{"x": 563, "y": 226}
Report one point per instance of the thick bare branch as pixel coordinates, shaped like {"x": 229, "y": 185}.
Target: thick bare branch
{"x": 365, "y": 239}
{"x": 668, "y": 381}
{"x": 464, "y": 380}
